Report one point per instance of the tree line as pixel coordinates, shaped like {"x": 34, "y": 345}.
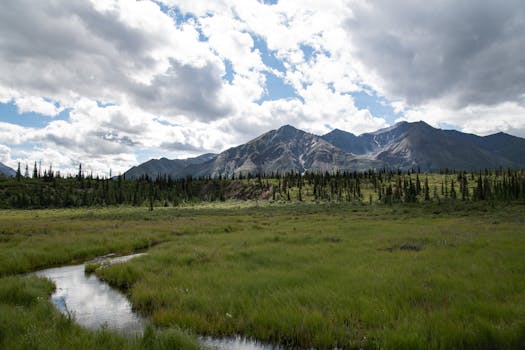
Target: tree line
{"x": 45, "y": 188}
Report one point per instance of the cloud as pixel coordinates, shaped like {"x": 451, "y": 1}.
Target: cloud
{"x": 460, "y": 53}
{"x": 13, "y": 134}
{"x": 180, "y": 146}
{"x": 185, "y": 89}
{"x": 37, "y": 105}
{"x": 103, "y": 137}
{"x": 5, "y": 154}
{"x": 228, "y": 37}
{"x": 481, "y": 120}
{"x": 111, "y": 51}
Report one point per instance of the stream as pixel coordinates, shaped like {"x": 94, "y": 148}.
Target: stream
{"x": 90, "y": 301}
{"x": 94, "y": 304}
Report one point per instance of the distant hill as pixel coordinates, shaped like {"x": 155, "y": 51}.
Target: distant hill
{"x": 172, "y": 167}
{"x": 403, "y": 145}
{"x": 5, "y": 170}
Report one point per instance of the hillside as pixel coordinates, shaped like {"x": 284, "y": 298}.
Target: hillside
{"x": 7, "y": 171}
{"x": 172, "y": 167}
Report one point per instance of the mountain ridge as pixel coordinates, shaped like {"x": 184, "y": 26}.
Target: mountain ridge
{"x": 7, "y": 171}
{"x": 403, "y": 145}
{"x": 275, "y": 151}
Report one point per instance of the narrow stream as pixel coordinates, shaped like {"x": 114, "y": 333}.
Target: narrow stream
{"x": 94, "y": 304}
{"x": 90, "y": 301}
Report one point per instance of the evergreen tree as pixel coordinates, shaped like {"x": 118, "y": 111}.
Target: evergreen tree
{"x": 18, "y": 173}
{"x": 464, "y": 188}
{"x": 453, "y": 194}
{"x": 426, "y": 190}
{"x": 35, "y": 172}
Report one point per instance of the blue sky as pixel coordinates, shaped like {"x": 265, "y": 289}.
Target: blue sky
{"x": 114, "y": 83}
{"x": 9, "y": 113}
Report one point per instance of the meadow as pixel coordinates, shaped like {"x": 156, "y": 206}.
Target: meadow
{"x": 302, "y": 275}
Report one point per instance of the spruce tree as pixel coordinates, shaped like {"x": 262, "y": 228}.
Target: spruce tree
{"x": 18, "y": 173}
{"x": 426, "y": 190}
{"x": 453, "y": 194}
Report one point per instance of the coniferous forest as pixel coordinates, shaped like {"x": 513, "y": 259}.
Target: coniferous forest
{"x": 46, "y": 188}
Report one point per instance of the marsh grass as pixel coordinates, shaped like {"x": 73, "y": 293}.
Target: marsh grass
{"x": 91, "y": 267}
{"x": 301, "y": 275}
{"x": 344, "y": 277}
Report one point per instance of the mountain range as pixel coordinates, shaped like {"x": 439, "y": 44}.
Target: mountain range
{"x": 404, "y": 145}
{"x": 5, "y": 170}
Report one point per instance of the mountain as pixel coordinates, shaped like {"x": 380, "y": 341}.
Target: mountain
{"x": 279, "y": 150}
{"x": 172, "y": 167}
{"x": 346, "y": 141}
{"x": 283, "y": 150}
{"x": 504, "y": 145}
{"x": 5, "y": 170}
{"x": 403, "y": 145}
{"x": 406, "y": 145}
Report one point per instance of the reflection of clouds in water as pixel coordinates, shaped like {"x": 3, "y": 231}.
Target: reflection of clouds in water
{"x": 92, "y": 302}
{"x": 59, "y": 302}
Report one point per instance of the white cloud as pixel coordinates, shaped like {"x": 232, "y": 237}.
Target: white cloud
{"x": 112, "y": 51}
{"x": 481, "y": 120}
{"x": 37, "y": 105}
{"x": 227, "y": 37}
{"x": 13, "y": 134}
{"x": 104, "y": 137}
{"x": 5, "y": 154}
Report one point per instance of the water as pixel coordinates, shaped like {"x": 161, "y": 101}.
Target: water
{"x": 94, "y": 304}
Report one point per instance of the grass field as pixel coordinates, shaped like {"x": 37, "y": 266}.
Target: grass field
{"x": 301, "y": 275}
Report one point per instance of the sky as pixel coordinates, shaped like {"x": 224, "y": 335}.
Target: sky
{"x": 113, "y": 83}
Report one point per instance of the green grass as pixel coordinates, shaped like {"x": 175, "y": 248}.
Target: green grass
{"x": 306, "y": 275}
{"x": 30, "y": 240}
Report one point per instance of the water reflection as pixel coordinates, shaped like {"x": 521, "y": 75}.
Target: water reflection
{"x": 92, "y": 302}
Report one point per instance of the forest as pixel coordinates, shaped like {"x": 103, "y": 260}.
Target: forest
{"x": 48, "y": 189}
